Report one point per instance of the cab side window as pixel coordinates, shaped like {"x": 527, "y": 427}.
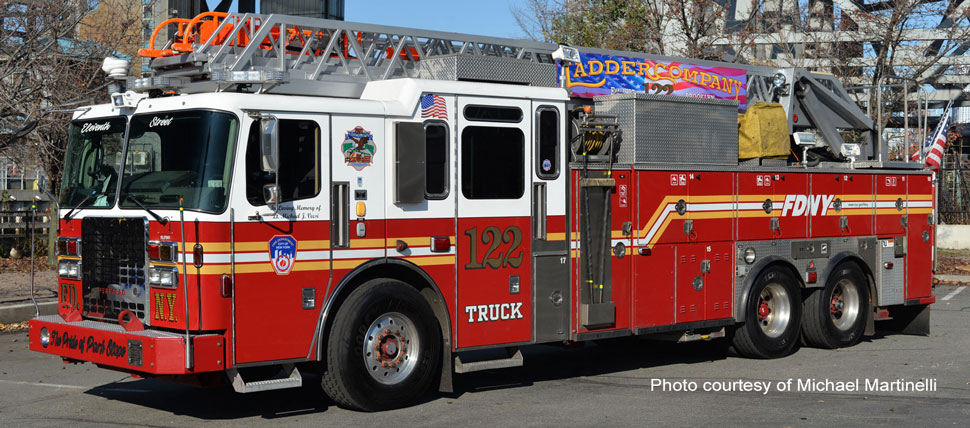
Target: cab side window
{"x": 299, "y": 162}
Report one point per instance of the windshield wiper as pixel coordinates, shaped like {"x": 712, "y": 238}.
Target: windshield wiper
{"x": 67, "y": 217}
{"x": 161, "y": 220}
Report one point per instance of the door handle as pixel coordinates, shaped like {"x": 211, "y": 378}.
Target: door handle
{"x": 340, "y": 215}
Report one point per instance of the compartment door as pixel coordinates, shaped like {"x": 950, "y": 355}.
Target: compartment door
{"x": 890, "y": 205}
{"x": 919, "y": 237}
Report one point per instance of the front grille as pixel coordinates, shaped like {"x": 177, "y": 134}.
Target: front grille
{"x": 113, "y": 254}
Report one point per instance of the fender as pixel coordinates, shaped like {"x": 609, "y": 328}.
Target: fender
{"x": 837, "y": 260}
{"x": 752, "y": 274}
{"x": 870, "y": 284}
{"x": 440, "y": 310}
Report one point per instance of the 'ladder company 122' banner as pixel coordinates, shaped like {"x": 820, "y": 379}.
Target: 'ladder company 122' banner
{"x": 600, "y": 74}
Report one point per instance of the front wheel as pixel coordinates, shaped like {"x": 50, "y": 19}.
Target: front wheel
{"x": 835, "y": 316}
{"x": 384, "y": 349}
{"x": 773, "y": 314}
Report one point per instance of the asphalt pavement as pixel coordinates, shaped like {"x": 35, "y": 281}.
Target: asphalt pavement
{"x": 618, "y": 384}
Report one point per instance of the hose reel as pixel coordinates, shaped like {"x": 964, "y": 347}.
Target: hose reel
{"x": 594, "y": 137}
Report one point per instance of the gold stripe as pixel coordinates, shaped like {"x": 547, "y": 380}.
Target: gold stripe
{"x": 555, "y": 237}
{"x": 921, "y": 210}
{"x": 653, "y": 219}
{"x": 760, "y": 198}
{"x": 710, "y": 198}
{"x": 433, "y": 261}
{"x": 366, "y": 243}
{"x": 928, "y": 197}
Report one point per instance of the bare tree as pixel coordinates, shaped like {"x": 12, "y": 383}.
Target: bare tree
{"x": 688, "y": 28}
{"x": 50, "y": 55}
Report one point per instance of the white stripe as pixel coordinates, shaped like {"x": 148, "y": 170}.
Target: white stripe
{"x": 920, "y": 204}
{"x": 356, "y": 254}
{"x": 656, "y": 226}
{"x": 858, "y": 204}
{"x": 756, "y": 206}
{"x": 953, "y": 293}
{"x": 49, "y": 385}
{"x": 710, "y": 207}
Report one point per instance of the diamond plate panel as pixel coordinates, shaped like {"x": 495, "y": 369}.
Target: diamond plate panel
{"x": 864, "y": 247}
{"x": 673, "y": 129}
{"x": 489, "y": 69}
{"x": 889, "y": 282}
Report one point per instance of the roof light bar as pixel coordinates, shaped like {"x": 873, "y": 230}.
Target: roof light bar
{"x": 141, "y": 84}
{"x": 250, "y": 76}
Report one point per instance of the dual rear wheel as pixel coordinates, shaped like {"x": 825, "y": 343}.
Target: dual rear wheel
{"x": 776, "y": 314}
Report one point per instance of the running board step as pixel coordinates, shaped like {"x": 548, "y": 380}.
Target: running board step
{"x": 514, "y": 360}
{"x": 288, "y": 377}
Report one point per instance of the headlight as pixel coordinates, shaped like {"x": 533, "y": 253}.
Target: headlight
{"x": 68, "y": 247}
{"x": 779, "y": 79}
{"x": 163, "y": 276}
{"x": 45, "y": 337}
{"x": 749, "y": 255}
{"x": 69, "y": 269}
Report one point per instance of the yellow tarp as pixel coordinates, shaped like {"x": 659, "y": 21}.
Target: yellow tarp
{"x": 763, "y": 132}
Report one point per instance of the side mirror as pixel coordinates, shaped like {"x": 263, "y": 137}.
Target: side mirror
{"x": 271, "y": 195}
{"x": 269, "y": 143}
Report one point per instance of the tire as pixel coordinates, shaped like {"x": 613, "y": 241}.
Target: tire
{"x": 773, "y": 311}
{"x": 835, "y": 316}
{"x": 384, "y": 349}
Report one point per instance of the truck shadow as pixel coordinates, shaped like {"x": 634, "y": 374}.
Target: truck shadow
{"x": 542, "y": 363}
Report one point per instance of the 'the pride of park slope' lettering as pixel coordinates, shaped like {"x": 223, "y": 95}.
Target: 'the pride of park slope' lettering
{"x": 796, "y": 205}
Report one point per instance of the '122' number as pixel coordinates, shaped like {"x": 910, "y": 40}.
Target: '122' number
{"x": 491, "y": 237}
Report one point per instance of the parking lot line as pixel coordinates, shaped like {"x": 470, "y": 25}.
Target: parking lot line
{"x": 49, "y": 385}
{"x": 953, "y": 293}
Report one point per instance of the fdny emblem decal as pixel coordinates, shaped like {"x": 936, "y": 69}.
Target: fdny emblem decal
{"x": 282, "y": 254}
{"x": 359, "y": 148}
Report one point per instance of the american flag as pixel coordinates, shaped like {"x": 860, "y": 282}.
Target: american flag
{"x": 934, "y": 145}
{"x": 433, "y": 106}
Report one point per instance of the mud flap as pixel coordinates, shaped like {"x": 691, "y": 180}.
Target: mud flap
{"x": 913, "y": 320}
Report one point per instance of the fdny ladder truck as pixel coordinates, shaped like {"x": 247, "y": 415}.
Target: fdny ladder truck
{"x": 285, "y": 194}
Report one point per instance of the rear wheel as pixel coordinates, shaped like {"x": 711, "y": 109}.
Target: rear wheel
{"x": 384, "y": 349}
{"x": 773, "y": 313}
{"x": 835, "y": 316}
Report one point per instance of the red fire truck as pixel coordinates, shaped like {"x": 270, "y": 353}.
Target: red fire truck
{"x": 286, "y": 194}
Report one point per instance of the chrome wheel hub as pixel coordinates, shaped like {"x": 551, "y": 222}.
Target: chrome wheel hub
{"x": 390, "y": 348}
{"x": 774, "y": 310}
{"x": 844, "y": 306}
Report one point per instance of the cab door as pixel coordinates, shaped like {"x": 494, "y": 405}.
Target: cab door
{"x": 281, "y": 260}
{"x": 494, "y": 203}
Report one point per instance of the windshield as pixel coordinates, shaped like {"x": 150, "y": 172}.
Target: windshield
{"x": 179, "y": 155}
{"x": 92, "y": 162}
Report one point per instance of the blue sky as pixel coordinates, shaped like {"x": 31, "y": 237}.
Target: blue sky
{"x": 488, "y": 18}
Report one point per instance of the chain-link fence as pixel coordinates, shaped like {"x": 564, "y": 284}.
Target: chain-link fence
{"x": 954, "y": 190}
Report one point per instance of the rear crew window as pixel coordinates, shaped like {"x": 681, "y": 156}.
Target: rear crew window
{"x": 493, "y": 113}
{"x": 436, "y": 160}
{"x": 492, "y": 162}
{"x": 299, "y": 162}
